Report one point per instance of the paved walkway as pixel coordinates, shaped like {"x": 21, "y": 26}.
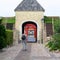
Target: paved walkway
{"x": 34, "y": 51}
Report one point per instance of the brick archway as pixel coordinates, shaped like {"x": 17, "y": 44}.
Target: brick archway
{"x": 30, "y": 29}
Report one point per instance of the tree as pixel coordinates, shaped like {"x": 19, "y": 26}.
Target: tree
{"x": 3, "y": 42}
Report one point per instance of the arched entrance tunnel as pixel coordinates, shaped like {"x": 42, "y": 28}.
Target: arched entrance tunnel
{"x": 30, "y": 29}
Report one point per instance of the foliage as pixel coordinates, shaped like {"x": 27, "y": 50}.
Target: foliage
{"x": 54, "y": 44}
{"x": 57, "y": 30}
{"x": 3, "y": 42}
{"x": 9, "y": 37}
{"x": 47, "y": 19}
{"x": 0, "y": 21}
{"x": 8, "y": 20}
{"x": 56, "y": 25}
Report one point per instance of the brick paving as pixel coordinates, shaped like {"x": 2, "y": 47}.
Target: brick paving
{"x": 34, "y": 51}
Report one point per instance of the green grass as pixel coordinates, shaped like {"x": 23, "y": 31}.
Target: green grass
{"x": 8, "y": 19}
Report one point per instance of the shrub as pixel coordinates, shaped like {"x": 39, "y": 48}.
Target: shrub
{"x": 9, "y": 37}
{"x": 58, "y": 29}
{"x": 3, "y": 41}
{"x": 54, "y": 44}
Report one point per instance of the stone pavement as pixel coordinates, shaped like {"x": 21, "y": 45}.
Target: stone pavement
{"x": 10, "y": 53}
{"x": 34, "y": 51}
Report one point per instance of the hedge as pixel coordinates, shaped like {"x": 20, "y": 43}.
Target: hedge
{"x": 9, "y": 37}
{"x": 47, "y": 19}
{"x": 3, "y": 42}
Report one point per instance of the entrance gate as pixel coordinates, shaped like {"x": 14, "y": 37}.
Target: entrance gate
{"x": 30, "y": 29}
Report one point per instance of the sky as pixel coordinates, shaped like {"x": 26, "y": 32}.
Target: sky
{"x": 52, "y": 7}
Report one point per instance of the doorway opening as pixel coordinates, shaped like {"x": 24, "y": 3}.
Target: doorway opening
{"x": 30, "y": 29}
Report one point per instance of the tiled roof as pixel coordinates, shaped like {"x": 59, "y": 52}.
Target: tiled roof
{"x": 29, "y": 5}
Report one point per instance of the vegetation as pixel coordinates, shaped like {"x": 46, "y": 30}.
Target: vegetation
{"x": 6, "y": 36}
{"x": 47, "y": 19}
{"x": 54, "y": 43}
{"x": 9, "y": 34}
{"x": 56, "y": 24}
{"x": 8, "y": 19}
{"x": 3, "y": 41}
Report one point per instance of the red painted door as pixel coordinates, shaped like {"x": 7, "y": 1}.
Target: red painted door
{"x": 31, "y": 31}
